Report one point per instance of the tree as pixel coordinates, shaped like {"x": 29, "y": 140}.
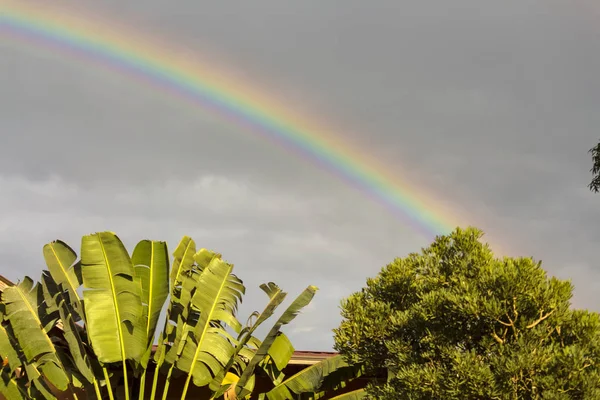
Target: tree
{"x": 453, "y": 322}
{"x": 595, "y": 184}
{"x": 100, "y": 339}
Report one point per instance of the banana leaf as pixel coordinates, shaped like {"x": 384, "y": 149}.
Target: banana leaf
{"x": 61, "y": 261}
{"x": 151, "y": 268}
{"x": 9, "y": 350}
{"x": 182, "y": 284}
{"x": 208, "y": 350}
{"x": 30, "y": 330}
{"x": 183, "y": 317}
{"x": 241, "y": 352}
{"x": 113, "y": 306}
{"x": 15, "y": 383}
{"x": 56, "y": 298}
{"x": 178, "y": 337}
{"x": 279, "y": 357}
{"x": 38, "y": 389}
{"x": 183, "y": 259}
{"x": 10, "y": 388}
{"x": 180, "y": 312}
{"x": 329, "y": 374}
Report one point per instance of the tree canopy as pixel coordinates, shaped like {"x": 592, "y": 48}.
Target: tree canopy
{"x": 454, "y": 322}
{"x": 595, "y": 184}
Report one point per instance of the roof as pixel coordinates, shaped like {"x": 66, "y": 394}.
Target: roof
{"x": 302, "y": 357}
{"x": 310, "y": 357}
{"x": 4, "y": 283}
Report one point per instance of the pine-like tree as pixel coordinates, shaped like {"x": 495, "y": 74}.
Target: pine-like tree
{"x": 454, "y": 322}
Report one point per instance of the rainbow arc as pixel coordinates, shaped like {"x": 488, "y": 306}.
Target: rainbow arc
{"x": 82, "y": 38}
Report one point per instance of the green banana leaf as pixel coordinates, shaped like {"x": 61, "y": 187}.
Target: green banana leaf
{"x": 182, "y": 285}
{"x": 38, "y": 389}
{"x": 276, "y": 297}
{"x": 182, "y": 317}
{"x": 181, "y": 313}
{"x": 329, "y": 374}
{"x": 281, "y": 351}
{"x": 57, "y": 299}
{"x": 10, "y": 387}
{"x": 279, "y": 357}
{"x": 241, "y": 352}
{"x": 113, "y": 306}
{"x": 30, "y": 329}
{"x": 9, "y": 350}
{"x": 183, "y": 259}
{"x": 151, "y": 267}
{"x": 204, "y": 257}
{"x": 61, "y": 261}
{"x": 209, "y": 349}
{"x": 25, "y": 386}
{"x": 188, "y": 281}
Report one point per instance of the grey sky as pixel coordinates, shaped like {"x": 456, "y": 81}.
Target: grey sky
{"x": 490, "y": 106}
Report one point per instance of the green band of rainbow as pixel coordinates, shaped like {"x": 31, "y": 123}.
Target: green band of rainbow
{"x": 124, "y": 52}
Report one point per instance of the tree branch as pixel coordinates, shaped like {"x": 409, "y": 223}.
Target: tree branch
{"x": 540, "y": 319}
{"x": 495, "y": 336}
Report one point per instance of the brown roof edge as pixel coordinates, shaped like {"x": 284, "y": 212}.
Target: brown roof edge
{"x": 302, "y": 357}
{"x": 310, "y": 357}
{"x": 4, "y": 283}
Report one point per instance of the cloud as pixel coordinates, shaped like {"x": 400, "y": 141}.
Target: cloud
{"x": 489, "y": 107}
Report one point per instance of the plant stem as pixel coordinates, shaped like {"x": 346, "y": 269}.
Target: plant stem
{"x": 108, "y": 385}
{"x": 154, "y": 382}
{"x": 168, "y": 382}
{"x": 126, "y": 380}
{"x": 97, "y": 390}
{"x": 187, "y": 383}
{"x": 143, "y": 384}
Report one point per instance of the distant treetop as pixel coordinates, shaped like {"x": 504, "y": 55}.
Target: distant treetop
{"x": 595, "y": 184}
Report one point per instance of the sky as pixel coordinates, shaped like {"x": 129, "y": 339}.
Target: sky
{"x": 490, "y": 106}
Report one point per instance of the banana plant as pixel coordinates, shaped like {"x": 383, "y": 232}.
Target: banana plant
{"x": 107, "y": 306}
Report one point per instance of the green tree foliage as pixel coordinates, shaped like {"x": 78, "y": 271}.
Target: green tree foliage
{"x": 454, "y": 322}
{"x": 595, "y": 184}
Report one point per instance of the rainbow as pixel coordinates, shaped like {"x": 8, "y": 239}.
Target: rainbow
{"x": 105, "y": 45}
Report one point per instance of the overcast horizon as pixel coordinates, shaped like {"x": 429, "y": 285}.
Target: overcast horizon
{"x": 491, "y": 106}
